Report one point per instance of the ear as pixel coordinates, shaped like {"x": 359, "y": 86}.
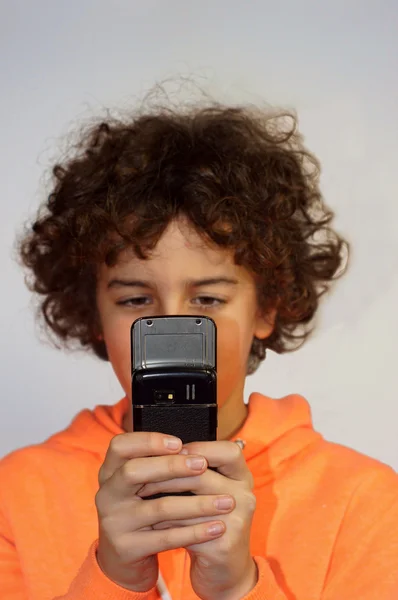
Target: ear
{"x": 264, "y": 324}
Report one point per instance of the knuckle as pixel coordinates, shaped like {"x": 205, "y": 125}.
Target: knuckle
{"x": 99, "y": 502}
{"x": 116, "y": 444}
{"x": 194, "y": 447}
{"x": 225, "y": 547}
{"x": 102, "y": 503}
{"x": 203, "y": 561}
{"x": 129, "y": 472}
{"x": 164, "y": 538}
{"x": 200, "y": 533}
{"x": 171, "y": 465}
{"x": 234, "y": 450}
{"x": 250, "y": 501}
{"x": 247, "y": 481}
{"x": 106, "y": 528}
{"x": 122, "y": 548}
{"x": 101, "y": 475}
{"x": 122, "y": 545}
{"x": 153, "y": 442}
{"x": 238, "y": 522}
{"x": 205, "y": 506}
{"x": 161, "y": 508}
{"x": 150, "y": 439}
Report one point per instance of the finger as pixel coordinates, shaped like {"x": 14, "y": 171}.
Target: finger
{"x": 209, "y": 482}
{"x": 126, "y": 446}
{"x": 168, "y": 539}
{"x": 175, "y": 511}
{"x": 136, "y": 473}
{"x": 179, "y": 523}
{"x": 227, "y": 457}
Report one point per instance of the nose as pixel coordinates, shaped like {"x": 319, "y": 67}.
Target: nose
{"x": 172, "y": 306}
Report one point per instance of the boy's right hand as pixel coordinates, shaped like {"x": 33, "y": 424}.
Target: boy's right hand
{"x": 128, "y": 546}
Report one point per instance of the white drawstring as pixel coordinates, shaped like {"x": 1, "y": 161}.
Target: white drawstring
{"x": 162, "y": 588}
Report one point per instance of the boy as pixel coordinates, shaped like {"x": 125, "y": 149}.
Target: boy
{"x": 211, "y": 211}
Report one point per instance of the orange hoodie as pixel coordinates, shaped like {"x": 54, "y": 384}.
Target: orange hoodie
{"x": 325, "y": 527}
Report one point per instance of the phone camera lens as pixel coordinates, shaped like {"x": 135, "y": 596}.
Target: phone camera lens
{"x": 198, "y": 321}
{"x": 164, "y": 396}
{"x": 149, "y": 323}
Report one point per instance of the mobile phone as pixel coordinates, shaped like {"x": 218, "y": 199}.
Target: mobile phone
{"x": 174, "y": 376}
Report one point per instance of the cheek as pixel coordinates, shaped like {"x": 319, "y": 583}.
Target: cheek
{"x": 117, "y": 339}
{"x": 234, "y": 341}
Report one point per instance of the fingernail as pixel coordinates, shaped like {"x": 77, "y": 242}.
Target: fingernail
{"x": 172, "y": 443}
{"x": 224, "y": 503}
{"x": 196, "y": 463}
{"x": 215, "y": 529}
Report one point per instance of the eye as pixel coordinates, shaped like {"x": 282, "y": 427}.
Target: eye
{"x": 135, "y": 302}
{"x": 208, "y": 301}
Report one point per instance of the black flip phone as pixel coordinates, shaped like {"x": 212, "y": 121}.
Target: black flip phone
{"x": 174, "y": 378}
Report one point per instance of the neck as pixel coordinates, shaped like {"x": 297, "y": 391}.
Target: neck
{"x": 231, "y": 417}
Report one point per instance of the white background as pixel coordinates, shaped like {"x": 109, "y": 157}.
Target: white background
{"x": 335, "y": 62}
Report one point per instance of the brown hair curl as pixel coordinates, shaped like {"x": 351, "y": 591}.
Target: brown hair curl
{"x": 242, "y": 178}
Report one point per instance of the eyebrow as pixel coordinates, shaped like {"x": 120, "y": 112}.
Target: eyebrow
{"x": 115, "y": 283}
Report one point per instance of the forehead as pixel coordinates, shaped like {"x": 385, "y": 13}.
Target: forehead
{"x": 179, "y": 251}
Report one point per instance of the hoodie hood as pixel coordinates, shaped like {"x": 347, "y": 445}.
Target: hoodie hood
{"x": 274, "y": 432}
{"x": 92, "y": 430}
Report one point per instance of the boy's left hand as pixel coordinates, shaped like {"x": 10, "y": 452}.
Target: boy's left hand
{"x": 223, "y": 568}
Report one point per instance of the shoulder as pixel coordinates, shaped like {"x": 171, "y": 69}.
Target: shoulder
{"x": 24, "y": 458}
{"x": 84, "y": 441}
{"x": 21, "y": 467}
{"x": 365, "y": 479}
{"x": 342, "y": 463}
{"x": 44, "y": 468}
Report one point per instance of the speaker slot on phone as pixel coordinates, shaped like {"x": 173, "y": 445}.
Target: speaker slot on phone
{"x": 190, "y": 392}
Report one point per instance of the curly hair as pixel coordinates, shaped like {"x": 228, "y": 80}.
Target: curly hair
{"x": 241, "y": 176}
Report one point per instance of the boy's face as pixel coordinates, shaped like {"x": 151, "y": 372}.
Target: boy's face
{"x": 172, "y": 281}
